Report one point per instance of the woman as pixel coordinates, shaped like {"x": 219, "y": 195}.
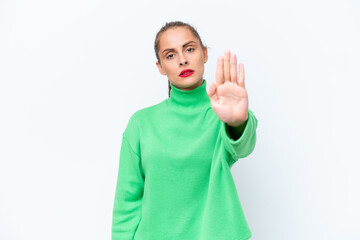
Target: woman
{"x": 174, "y": 180}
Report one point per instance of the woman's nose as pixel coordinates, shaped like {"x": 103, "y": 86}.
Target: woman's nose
{"x": 183, "y": 60}
{"x": 183, "y": 63}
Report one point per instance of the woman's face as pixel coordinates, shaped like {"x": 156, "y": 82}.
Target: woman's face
{"x": 180, "y": 50}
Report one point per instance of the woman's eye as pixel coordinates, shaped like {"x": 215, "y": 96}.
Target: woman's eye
{"x": 190, "y": 49}
{"x": 169, "y": 56}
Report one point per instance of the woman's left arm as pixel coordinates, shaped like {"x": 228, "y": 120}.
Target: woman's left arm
{"x": 229, "y": 100}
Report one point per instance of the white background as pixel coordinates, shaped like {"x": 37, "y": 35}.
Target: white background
{"x": 73, "y": 72}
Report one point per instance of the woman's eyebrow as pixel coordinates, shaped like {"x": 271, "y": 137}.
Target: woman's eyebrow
{"x": 172, "y": 49}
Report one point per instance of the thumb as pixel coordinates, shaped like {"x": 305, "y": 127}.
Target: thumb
{"x": 212, "y": 92}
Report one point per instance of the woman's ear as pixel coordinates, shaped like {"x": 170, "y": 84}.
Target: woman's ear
{"x": 205, "y": 54}
{"x": 161, "y": 70}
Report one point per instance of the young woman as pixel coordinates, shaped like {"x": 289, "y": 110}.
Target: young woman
{"x": 174, "y": 180}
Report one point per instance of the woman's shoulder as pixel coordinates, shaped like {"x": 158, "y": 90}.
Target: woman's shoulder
{"x": 150, "y": 110}
{"x": 143, "y": 116}
{"x": 147, "y": 112}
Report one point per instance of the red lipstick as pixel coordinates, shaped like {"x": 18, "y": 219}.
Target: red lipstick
{"x": 186, "y": 73}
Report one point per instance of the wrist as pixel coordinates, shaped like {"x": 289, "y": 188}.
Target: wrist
{"x": 236, "y": 130}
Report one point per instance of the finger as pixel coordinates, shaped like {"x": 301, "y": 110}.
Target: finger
{"x": 212, "y": 92}
{"x": 241, "y": 78}
{"x": 227, "y": 66}
{"x": 220, "y": 71}
{"x": 233, "y": 70}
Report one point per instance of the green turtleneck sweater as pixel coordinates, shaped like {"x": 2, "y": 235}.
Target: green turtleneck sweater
{"x": 174, "y": 180}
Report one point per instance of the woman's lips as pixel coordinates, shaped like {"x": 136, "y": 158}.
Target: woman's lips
{"x": 186, "y": 73}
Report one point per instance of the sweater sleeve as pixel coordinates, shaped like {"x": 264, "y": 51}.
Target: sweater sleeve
{"x": 243, "y": 146}
{"x": 129, "y": 192}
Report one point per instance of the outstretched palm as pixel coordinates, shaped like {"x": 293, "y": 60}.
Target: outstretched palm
{"x": 228, "y": 97}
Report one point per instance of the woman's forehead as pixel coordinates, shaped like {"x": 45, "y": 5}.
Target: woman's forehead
{"x": 177, "y": 37}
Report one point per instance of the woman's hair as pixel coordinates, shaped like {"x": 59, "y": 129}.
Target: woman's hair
{"x": 167, "y": 26}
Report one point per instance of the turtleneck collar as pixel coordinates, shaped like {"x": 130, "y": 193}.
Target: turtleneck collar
{"x": 192, "y": 98}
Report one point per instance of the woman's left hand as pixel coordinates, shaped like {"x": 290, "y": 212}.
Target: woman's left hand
{"x": 228, "y": 97}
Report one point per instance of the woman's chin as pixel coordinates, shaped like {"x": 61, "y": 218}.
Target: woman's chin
{"x": 187, "y": 84}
